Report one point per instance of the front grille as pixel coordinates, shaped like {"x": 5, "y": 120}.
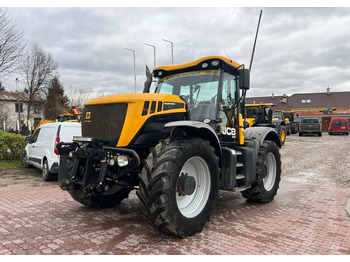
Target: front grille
{"x": 103, "y": 121}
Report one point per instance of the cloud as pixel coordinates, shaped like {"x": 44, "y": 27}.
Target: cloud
{"x": 298, "y": 49}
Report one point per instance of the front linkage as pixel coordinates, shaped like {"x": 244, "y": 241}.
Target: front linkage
{"x": 94, "y": 169}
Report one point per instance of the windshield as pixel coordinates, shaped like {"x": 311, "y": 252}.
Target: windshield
{"x": 277, "y": 115}
{"x": 198, "y": 89}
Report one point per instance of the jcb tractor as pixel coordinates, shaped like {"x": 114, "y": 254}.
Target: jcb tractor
{"x": 279, "y": 115}
{"x": 176, "y": 147}
{"x": 258, "y": 115}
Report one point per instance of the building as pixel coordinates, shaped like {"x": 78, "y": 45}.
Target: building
{"x": 9, "y": 115}
{"x": 324, "y": 106}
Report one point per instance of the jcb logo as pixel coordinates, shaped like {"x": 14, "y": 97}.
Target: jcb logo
{"x": 229, "y": 131}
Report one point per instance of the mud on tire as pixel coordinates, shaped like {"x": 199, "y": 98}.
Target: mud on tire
{"x": 163, "y": 202}
{"x": 268, "y": 174}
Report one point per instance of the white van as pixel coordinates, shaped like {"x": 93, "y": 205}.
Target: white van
{"x": 41, "y": 151}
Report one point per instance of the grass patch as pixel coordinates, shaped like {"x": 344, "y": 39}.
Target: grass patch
{"x": 11, "y": 164}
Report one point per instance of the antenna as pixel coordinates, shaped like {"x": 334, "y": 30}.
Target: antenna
{"x": 227, "y": 54}
{"x": 256, "y": 36}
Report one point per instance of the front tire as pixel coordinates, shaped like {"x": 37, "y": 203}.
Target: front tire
{"x": 268, "y": 174}
{"x": 179, "y": 186}
{"x": 46, "y": 174}
{"x": 25, "y": 160}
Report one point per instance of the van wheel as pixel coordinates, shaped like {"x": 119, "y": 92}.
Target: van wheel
{"x": 25, "y": 160}
{"x": 268, "y": 174}
{"x": 179, "y": 186}
{"x": 47, "y": 176}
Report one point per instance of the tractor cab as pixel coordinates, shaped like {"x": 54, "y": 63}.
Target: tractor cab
{"x": 209, "y": 87}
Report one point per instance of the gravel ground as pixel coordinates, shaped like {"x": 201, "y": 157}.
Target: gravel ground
{"x": 317, "y": 160}
{"x": 308, "y": 159}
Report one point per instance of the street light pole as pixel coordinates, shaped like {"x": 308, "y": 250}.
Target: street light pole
{"x": 18, "y": 108}
{"x": 172, "y": 50}
{"x": 133, "y": 51}
{"x": 154, "y": 49}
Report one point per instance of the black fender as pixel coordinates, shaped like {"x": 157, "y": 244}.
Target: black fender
{"x": 262, "y": 134}
{"x": 198, "y": 129}
{"x": 278, "y": 123}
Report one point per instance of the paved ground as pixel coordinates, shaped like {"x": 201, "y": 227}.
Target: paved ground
{"x": 303, "y": 219}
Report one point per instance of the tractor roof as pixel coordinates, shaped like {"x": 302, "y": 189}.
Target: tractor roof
{"x": 205, "y": 63}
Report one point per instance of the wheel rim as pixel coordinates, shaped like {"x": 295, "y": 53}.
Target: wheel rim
{"x": 191, "y": 205}
{"x": 271, "y": 169}
{"x": 283, "y": 135}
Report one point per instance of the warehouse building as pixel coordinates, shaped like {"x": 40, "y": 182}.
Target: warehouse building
{"x": 324, "y": 106}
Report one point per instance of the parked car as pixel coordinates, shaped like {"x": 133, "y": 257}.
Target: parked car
{"x": 310, "y": 126}
{"x": 41, "y": 151}
{"x": 339, "y": 125}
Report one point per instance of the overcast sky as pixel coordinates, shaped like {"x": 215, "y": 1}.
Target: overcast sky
{"x": 298, "y": 49}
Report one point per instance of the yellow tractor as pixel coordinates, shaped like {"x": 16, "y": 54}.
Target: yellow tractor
{"x": 262, "y": 115}
{"x": 177, "y": 147}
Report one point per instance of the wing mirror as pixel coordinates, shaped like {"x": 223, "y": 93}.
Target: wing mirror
{"x": 244, "y": 79}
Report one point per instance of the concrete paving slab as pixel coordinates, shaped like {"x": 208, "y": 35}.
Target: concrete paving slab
{"x": 303, "y": 219}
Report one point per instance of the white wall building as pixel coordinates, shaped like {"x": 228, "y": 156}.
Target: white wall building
{"x": 9, "y": 117}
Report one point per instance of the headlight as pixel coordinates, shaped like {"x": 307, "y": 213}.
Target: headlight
{"x": 82, "y": 139}
{"x": 122, "y": 161}
{"x": 215, "y": 62}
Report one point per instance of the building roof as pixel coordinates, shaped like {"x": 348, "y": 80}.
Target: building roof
{"x": 305, "y": 100}
{"x": 12, "y": 96}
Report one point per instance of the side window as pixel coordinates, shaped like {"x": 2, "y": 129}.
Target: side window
{"x": 36, "y": 135}
{"x": 228, "y": 99}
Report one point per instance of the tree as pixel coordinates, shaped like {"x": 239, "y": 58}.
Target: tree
{"x": 11, "y": 44}
{"x": 56, "y": 100}
{"x": 77, "y": 96}
{"x": 38, "y": 69}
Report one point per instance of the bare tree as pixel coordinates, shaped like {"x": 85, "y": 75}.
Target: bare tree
{"x": 38, "y": 69}
{"x": 11, "y": 43}
{"x": 77, "y": 96}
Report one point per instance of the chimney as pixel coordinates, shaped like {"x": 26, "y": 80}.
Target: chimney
{"x": 328, "y": 90}
{"x": 285, "y": 98}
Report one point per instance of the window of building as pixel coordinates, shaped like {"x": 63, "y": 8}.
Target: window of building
{"x": 21, "y": 107}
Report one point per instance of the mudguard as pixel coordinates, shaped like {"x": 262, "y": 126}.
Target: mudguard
{"x": 261, "y": 134}
{"x": 198, "y": 129}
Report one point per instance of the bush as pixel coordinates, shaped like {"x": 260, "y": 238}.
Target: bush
{"x": 11, "y": 146}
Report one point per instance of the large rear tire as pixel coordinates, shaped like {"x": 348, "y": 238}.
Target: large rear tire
{"x": 268, "y": 174}
{"x": 179, "y": 186}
